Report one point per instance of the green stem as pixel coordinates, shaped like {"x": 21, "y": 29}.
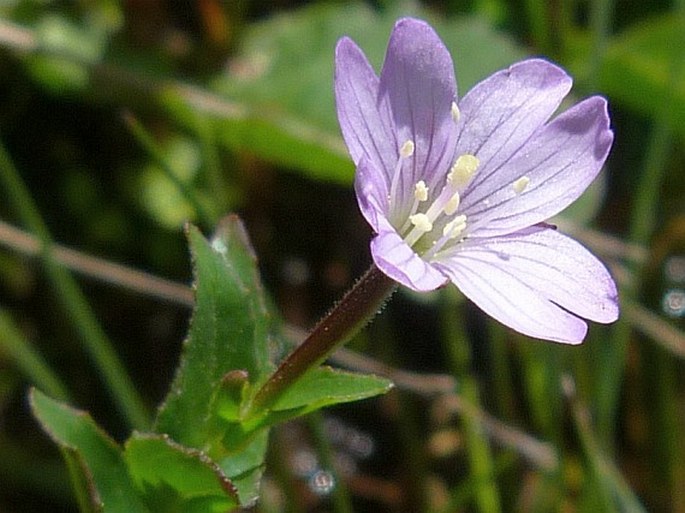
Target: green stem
{"x": 28, "y": 359}
{"x": 211, "y": 162}
{"x": 349, "y": 316}
{"x": 148, "y": 143}
{"x": 600, "y": 20}
{"x": 615, "y": 493}
{"x": 95, "y": 341}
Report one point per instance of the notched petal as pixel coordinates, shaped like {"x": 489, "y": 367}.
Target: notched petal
{"x": 559, "y": 269}
{"x": 560, "y": 161}
{"x": 419, "y": 87}
{"x": 508, "y": 299}
{"x": 502, "y": 112}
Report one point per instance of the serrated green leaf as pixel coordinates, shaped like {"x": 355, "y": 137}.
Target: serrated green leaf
{"x": 177, "y": 478}
{"x": 246, "y": 466}
{"x": 640, "y": 64}
{"x": 282, "y": 78}
{"x": 230, "y": 331}
{"x": 240, "y": 452}
{"x": 95, "y": 458}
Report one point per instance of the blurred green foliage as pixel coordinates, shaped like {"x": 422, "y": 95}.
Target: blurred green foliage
{"x": 125, "y": 119}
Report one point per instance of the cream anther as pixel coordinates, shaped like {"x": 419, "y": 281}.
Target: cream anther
{"x": 520, "y": 184}
{"x": 456, "y": 114}
{"x": 453, "y": 204}
{"x": 420, "y": 191}
{"x": 463, "y": 169}
{"x": 421, "y": 222}
{"x": 407, "y": 149}
{"x": 455, "y": 227}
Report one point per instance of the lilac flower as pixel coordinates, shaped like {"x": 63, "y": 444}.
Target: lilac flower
{"x": 458, "y": 190}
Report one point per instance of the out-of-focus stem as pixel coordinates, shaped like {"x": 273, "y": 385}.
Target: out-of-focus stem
{"x": 95, "y": 341}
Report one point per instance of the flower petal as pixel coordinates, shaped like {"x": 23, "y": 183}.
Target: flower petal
{"x": 362, "y": 124}
{"x": 560, "y": 161}
{"x": 502, "y": 112}
{"x": 558, "y": 268}
{"x": 396, "y": 259}
{"x": 533, "y": 281}
{"x": 372, "y": 195}
{"x": 417, "y": 82}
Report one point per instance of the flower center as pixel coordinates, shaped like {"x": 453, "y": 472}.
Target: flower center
{"x": 429, "y": 226}
{"x": 432, "y": 225}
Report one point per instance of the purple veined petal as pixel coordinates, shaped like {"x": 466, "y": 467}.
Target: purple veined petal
{"x": 371, "y": 190}
{"x": 397, "y": 260}
{"x": 496, "y": 286}
{"x": 361, "y": 122}
{"x": 418, "y": 84}
{"x": 503, "y": 111}
{"x": 560, "y": 162}
{"x": 555, "y": 266}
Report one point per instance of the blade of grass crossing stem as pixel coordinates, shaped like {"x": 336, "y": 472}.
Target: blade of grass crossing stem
{"x": 29, "y": 361}
{"x": 212, "y": 162}
{"x": 69, "y": 294}
{"x": 615, "y": 492}
{"x": 147, "y": 142}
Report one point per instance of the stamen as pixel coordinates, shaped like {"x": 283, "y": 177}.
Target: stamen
{"x": 407, "y": 149}
{"x": 463, "y": 169}
{"x": 420, "y": 191}
{"x": 456, "y": 114}
{"x": 453, "y": 229}
{"x": 421, "y": 222}
{"x": 453, "y": 204}
{"x": 520, "y": 184}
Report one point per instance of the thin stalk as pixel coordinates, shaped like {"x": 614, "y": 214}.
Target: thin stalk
{"x": 29, "y": 361}
{"x": 93, "y": 337}
{"x": 98, "y": 268}
{"x": 212, "y": 162}
{"x": 481, "y": 459}
{"x": 615, "y": 492}
{"x": 344, "y": 321}
{"x": 149, "y": 145}
{"x": 601, "y": 12}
